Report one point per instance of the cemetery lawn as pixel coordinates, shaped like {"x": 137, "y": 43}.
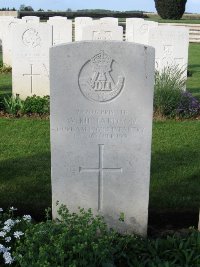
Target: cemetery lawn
{"x": 193, "y": 82}
{"x": 5, "y": 84}
{"x": 25, "y": 166}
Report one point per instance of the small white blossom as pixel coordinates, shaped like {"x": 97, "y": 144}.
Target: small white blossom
{"x": 27, "y": 218}
{"x": 2, "y": 234}
{"x": 1, "y": 210}
{"x": 8, "y": 258}
{"x": 6, "y": 228}
{"x": 12, "y": 209}
{"x": 2, "y": 248}
{"x": 17, "y": 234}
{"x": 17, "y": 221}
{"x": 9, "y": 222}
{"x": 8, "y": 239}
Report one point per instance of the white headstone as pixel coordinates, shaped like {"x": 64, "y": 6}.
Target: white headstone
{"x": 171, "y": 45}
{"x": 57, "y": 17}
{"x": 7, "y": 39}
{"x": 31, "y": 59}
{"x": 31, "y": 19}
{"x": 102, "y": 31}
{"x": 110, "y": 20}
{"x": 101, "y": 127}
{"x": 80, "y": 22}
{"x": 62, "y": 30}
{"x": 129, "y": 27}
{"x": 140, "y": 31}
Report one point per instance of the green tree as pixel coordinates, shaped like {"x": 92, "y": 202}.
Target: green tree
{"x": 170, "y": 9}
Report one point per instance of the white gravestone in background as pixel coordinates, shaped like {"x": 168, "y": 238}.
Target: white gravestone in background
{"x": 102, "y": 31}
{"x": 110, "y": 20}
{"x": 80, "y": 22}
{"x": 129, "y": 27}
{"x": 62, "y": 30}
{"x": 30, "y": 73}
{"x": 140, "y": 31}
{"x": 101, "y": 127}
{"x": 57, "y": 17}
{"x": 2, "y": 27}
{"x": 171, "y": 46}
{"x": 31, "y": 19}
{"x": 7, "y": 39}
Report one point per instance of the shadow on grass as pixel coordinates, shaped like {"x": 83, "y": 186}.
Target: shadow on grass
{"x": 175, "y": 181}
{"x": 194, "y": 66}
{"x": 25, "y": 183}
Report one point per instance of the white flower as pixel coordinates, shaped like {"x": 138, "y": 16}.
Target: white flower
{"x": 17, "y": 234}
{"x": 2, "y": 248}
{"x": 6, "y": 228}
{"x": 12, "y": 209}
{"x": 8, "y": 239}
{"x": 2, "y": 234}
{"x": 27, "y": 218}
{"x": 9, "y": 222}
{"x": 1, "y": 209}
{"x": 7, "y": 258}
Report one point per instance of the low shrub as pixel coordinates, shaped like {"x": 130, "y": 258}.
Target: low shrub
{"x": 169, "y": 84}
{"x": 37, "y": 104}
{"x": 82, "y": 239}
{"x": 170, "y": 99}
{"x": 13, "y": 105}
{"x": 32, "y": 105}
{"x": 189, "y": 106}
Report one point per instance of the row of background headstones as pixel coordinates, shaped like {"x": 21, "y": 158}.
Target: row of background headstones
{"x": 26, "y": 44}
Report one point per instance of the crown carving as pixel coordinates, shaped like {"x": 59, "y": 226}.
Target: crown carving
{"x": 101, "y": 62}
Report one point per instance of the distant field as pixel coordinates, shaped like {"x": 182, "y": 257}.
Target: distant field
{"x": 189, "y": 19}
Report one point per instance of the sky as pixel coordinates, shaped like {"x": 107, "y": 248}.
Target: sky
{"x": 192, "y": 6}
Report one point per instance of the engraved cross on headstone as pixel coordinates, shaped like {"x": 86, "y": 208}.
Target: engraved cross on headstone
{"x": 31, "y": 76}
{"x": 100, "y": 170}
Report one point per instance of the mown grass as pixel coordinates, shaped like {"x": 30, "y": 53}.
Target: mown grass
{"x": 25, "y": 166}
{"x": 193, "y": 82}
{"x": 175, "y": 169}
{"x": 5, "y": 82}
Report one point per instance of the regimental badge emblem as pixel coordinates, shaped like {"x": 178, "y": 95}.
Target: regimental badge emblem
{"x": 31, "y": 38}
{"x": 101, "y": 79}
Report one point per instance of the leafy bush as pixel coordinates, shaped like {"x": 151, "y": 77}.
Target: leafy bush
{"x": 170, "y": 100}
{"x": 189, "y": 106}
{"x": 13, "y": 105}
{"x": 169, "y": 84}
{"x": 32, "y": 105}
{"x": 82, "y": 239}
{"x": 74, "y": 240}
{"x": 37, "y": 104}
{"x": 170, "y": 9}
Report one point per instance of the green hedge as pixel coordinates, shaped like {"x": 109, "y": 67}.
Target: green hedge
{"x": 84, "y": 13}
